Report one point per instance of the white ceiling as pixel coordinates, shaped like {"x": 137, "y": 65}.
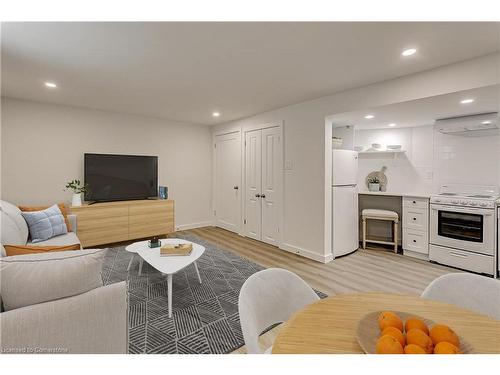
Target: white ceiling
{"x": 423, "y": 112}
{"x": 185, "y": 71}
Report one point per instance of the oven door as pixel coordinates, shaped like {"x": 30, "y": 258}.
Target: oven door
{"x": 463, "y": 228}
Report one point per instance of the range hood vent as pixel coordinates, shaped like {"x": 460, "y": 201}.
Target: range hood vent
{"x": 485, "y": 124}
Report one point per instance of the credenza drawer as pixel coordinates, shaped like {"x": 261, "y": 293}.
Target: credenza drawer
{"x": 93, "y": 212}
{"x": 151, "y": 208}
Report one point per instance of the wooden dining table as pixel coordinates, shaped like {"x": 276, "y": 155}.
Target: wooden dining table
{"x": 330, "y": 325}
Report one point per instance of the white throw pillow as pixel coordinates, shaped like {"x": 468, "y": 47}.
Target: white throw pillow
{"x": 36, "y": 278}
{"x": 13, "y": 225}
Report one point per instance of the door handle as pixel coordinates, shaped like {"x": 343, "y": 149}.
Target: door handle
{"x": 235, "y": 187}
{"x": 263, "y": 196}
{"x": 257, "y": 195}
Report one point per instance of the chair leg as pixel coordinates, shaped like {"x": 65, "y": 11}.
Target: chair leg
{"x": 395, "y": 237}
{"x": 364, "y": 234}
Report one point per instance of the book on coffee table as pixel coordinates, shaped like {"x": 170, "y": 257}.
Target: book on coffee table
{"x": 176, "y": 249}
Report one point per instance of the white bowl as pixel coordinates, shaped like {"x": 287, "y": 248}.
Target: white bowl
{"x": 394, "y": 147}
{"x": 376, "y": 146}
{"x": 359, "y": 148}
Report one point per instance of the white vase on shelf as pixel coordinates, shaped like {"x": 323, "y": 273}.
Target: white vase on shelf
{"x": 76, "y": 201}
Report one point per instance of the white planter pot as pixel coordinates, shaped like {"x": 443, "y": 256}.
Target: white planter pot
{"x": 373, "y": 187}
{"x": 76, "y": 201}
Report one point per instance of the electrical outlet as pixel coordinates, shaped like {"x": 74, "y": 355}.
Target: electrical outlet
{"x": 288, "y": 165}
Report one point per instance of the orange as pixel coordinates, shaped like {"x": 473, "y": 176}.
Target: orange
{"x": 396, "y": 333}
{"x": 415, "y": 323}
{"x": 414, "y": 349}
{"x": 444, "y": 347}
{"x": 389, "y": 319}
{"x": 441, "y": 332}
{"x": 418, "y": 337}
{"x": 389, "y": 345}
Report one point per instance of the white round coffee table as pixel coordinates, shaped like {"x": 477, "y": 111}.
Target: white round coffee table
{"x": 167, "y": 264}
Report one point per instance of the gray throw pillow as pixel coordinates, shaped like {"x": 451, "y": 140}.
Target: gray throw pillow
{"x": 45, "y": 224}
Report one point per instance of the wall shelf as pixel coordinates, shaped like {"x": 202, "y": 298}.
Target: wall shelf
{"x": 385, "y": 152}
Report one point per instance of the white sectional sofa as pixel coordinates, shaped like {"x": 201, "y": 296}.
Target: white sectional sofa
{"x": 55, "y": 302}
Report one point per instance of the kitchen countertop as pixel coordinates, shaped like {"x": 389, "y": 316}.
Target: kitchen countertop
{"x": 396, "y": 194}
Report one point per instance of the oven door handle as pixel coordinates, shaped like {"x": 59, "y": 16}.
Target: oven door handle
{"x": 436, "y": 207}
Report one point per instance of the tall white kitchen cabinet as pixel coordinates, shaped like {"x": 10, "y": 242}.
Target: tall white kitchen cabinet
{"x": 263, "y": 177}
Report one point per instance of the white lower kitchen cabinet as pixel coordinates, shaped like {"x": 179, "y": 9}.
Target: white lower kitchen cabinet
{"x": 416, "y": 227}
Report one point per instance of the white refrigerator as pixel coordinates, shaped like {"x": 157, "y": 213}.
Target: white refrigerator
{"x": 345, "y": 224}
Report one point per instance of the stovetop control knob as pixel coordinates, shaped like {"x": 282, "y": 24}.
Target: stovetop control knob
{"x": 454, "y": 201}
{"x": 483, "y": 204}
{"x": 472, "y": 203}
{"x": 464, "y": 203}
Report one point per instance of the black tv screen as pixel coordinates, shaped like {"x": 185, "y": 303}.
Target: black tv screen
{"x": 120, "y": 177}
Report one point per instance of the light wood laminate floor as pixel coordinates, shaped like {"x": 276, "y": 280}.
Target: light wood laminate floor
{"x": 374, "y": 269}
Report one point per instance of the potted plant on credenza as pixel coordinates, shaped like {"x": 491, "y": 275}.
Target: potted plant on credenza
{"x": 374, "y": 184}
{"x": 77, "y": 188}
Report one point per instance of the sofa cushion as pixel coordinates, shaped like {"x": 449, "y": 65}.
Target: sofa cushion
{"x": 36, "y": 278}
{"x": 62, "y": 240}
{"x": 45, "y": 224}
{"x": 12, "y": 250}
{"x": 61, "y": 206}
{"x": 14, "y": 227}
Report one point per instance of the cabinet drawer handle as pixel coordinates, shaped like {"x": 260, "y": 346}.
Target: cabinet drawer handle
{"x": 414, "y": 202}
{"x": 414, "y": 240}
{"x": 414, "y": 218}
{"x": 458, "y": 255}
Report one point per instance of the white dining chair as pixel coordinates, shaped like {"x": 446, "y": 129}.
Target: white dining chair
{"x": 269, "y": 297}
{"x": 472, "y": 292}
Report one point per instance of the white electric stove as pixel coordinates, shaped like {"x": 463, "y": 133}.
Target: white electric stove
{"x": 463, "y": 227}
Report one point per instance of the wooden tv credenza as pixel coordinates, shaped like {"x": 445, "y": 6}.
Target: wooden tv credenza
{"x": 103, "y": 223}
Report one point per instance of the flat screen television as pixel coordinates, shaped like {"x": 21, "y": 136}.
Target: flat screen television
{"x": 120, "y": 177}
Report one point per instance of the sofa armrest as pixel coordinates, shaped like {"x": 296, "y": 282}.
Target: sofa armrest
{"x": 72, "y": 220}
{"x": 92, "y": 322}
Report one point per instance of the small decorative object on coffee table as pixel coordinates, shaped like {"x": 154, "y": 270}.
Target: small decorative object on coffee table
{"x": 77, "y": 188}
{"x": 154, "y": 242}
{"x": 181, "y": 249}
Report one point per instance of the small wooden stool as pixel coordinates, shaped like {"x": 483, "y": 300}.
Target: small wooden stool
{"x": 381, "y": 215}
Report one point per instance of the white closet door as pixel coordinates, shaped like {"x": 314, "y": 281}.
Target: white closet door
{"x": 227, "y": 181}
{"x": 271, "y": 189}
{"x": 253, "y": 184}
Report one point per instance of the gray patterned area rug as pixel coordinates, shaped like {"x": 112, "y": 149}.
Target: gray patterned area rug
{"x": 205, "y": 316}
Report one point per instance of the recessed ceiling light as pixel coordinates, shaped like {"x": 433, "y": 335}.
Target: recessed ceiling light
{"x": 467, "y": 101}
{"x": 216, "y": 114}
{"x": 409, "y": 52}
{"x": 368, "y": 117}
{"x": 51, "y": 85}
{"x": 486, "y": 122}
{"x": 392, "y": 125}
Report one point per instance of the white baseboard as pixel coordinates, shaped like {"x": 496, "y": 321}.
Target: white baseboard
{"x": 194, "y": 225}
{"x": 414, "y": 254}
{"x": 306, "y": 253}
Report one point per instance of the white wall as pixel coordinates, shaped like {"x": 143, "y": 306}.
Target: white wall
{"x": 43, "y": 147}
{"x": 411, "y": 172}
{"x": 467, "y": 159}
{"x": 306, "y": 190}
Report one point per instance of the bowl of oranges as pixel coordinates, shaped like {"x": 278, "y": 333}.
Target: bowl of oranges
{"x": 395, "y": 332}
